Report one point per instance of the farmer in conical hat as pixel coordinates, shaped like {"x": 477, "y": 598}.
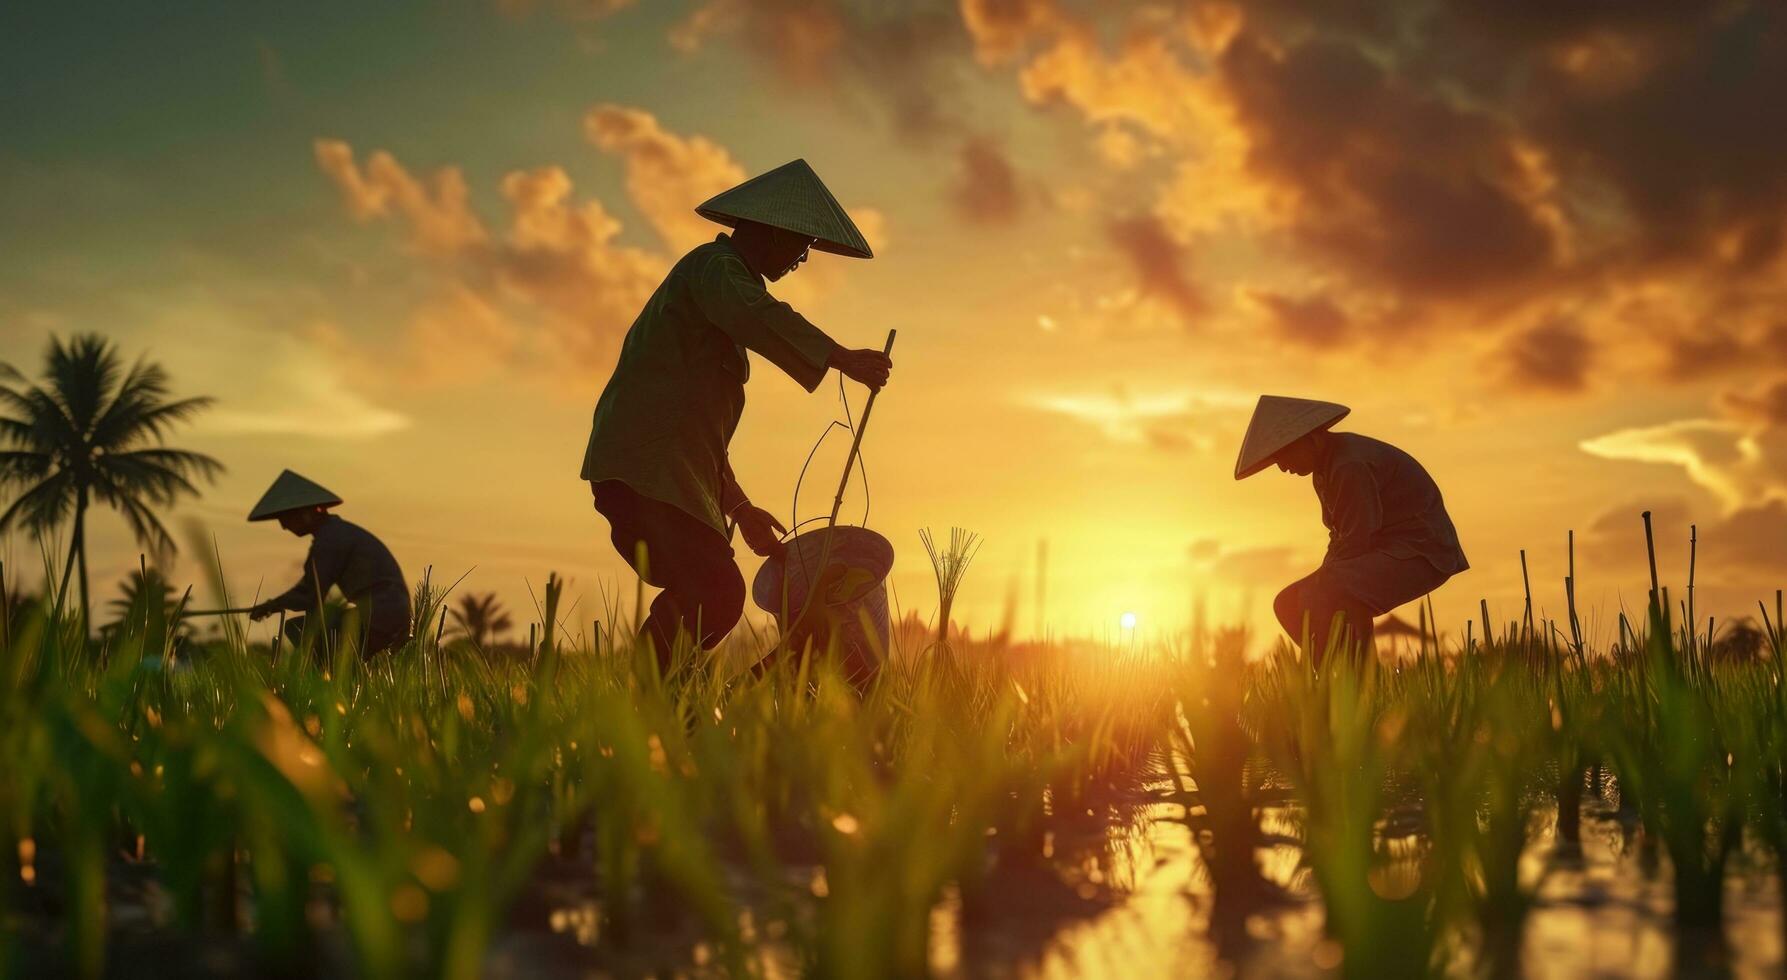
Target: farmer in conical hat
{"x": 342, "y": 555}
{"x": 1389, "y": 537}
{"x": 657, "y": 463}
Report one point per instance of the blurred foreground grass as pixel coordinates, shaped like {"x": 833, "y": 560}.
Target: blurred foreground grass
{"x": 392, "y": 818}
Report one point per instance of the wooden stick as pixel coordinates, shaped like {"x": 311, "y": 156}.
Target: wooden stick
{"x": 837, "y": 504}
{"x": 1526, "y": 622}
{"x": 1693, "y": 546}
{"x": 862, "y": 425}
{"x": 1650, "y": 548}
{"x": 185, "y": 613}
{"x": 1483, "y": 604}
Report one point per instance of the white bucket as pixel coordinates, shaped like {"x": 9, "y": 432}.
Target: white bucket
{"x": 853, "y": 614}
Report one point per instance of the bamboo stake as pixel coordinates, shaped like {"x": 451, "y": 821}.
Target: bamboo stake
{"x": 1693, "y": 546}
{"x": 1650, "y": 549}
{"x": 1570, "y": 598}
{"x": 1526, "y": 621}
{"x": 837, "y": 503}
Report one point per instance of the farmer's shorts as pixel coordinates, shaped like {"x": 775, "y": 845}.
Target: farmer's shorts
{"x": 1380, "y": 582}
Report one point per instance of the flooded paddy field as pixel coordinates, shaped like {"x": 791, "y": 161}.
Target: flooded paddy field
{"x": 982, "y": 809}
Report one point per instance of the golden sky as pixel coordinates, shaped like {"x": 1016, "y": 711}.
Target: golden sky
{"x": 1539, "y": 246}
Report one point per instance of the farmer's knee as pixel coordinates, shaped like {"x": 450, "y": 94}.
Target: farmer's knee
{"x": 1288, "y": 607}
{"x": 728, "y": 602}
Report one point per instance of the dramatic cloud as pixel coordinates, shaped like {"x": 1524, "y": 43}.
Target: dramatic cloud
{"x": 553, "y": 287}
{"x": 987, "y": 190}
{"x": 1766, "y": 405}
{"x": 1159, "y": 264}
{"x": 1468, "y": 166}
{"x": 667, "y": 175}
{"x": 1555, "y": 356}
{"x": 557, "y": 263}
{"x": 1738, "y": 466}
{"x": 1388, "y": 182}
{"x": 438, "y": 211}
{"x": 1313, "y": 320}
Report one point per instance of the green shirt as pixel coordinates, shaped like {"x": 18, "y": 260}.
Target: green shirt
{"x": 669, "y": 410}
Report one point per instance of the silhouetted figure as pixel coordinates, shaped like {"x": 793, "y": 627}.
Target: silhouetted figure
{"x": 657, "y": 464}
{"x": 342, "y": 555}
{"x": 1389, "y": 537}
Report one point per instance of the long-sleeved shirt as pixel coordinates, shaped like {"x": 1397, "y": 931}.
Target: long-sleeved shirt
{"x": 664, "y": 420}
{"x": 1377, "y": 498}
{"x": 347, "y": 556}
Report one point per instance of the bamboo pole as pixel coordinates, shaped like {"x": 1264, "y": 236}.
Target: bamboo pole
{"x": 1650, "y": 549}
{"x": 1693, "y": 547}
{"x": 1526, "y": 583}
{"x": 837, "y": 502}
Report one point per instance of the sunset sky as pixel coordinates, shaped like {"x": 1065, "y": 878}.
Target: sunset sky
{"x": 1540, "y": 246}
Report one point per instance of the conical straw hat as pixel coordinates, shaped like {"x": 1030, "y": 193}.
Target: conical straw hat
{"x": 291, "y": 492}
{"x": 1278, "y": 422}
{"x": 793, "y": 198}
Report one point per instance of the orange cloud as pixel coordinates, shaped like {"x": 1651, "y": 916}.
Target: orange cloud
{"x": 667, "y": 174}
{"x": 438, "y": 210}
{"x": 552, "y": 288}
{"x": 987, "y": 189}
{"x": 1554, "y": 355}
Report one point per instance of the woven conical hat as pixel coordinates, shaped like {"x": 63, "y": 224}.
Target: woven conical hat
{"x": 291, "y": 492}
{"x": 1277, "y": 422}
{"x": 793, "y": 198}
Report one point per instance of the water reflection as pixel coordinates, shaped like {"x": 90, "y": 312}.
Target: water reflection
{"x": 1125, "y": 893}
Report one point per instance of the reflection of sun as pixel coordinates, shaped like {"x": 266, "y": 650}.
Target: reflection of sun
{"x": 1128, "y": 620}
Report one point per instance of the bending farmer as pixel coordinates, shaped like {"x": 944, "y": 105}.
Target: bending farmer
{"x": 656, "y": 463}
{"x": 1389, "y": 538}
{"x": 341, "y": 555}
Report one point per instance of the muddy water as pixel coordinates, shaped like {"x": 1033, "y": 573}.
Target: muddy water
{"x": 1131, "y": 900}
{"x": 1601, "y": 915}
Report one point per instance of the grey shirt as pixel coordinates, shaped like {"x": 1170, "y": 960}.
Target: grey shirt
{"x": 347, "y": 556}
{"x": 1377, "y": 498}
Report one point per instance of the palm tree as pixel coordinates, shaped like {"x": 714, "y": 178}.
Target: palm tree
{"x": 93, "y": 431}
{"x": 480, "y": 616}
{"x": 144, "y": 597}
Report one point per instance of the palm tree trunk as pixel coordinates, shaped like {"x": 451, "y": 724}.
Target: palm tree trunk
{"x": 77, "y": 551}
{"x": 80, "y": 553}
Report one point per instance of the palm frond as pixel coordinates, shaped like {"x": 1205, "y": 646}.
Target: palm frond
{"x": 146, "y": 528}
{"x": 126, "y": 423}
{"x": 81, "y": 375}
{"x": 160, "y": 474}
{"x": 23, "y": 465}
{"x": 42, "y": 507}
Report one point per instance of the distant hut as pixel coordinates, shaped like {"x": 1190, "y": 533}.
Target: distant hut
{"x": 1396, "y": 638}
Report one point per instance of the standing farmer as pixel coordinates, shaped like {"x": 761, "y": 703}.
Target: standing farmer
{"x": 341, "y": 555}
{"x": 1389, "y": 538}
{"x": 656, "y": 463}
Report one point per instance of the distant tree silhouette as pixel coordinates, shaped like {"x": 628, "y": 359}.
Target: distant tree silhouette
{"x": 481, "y": 616}
{"x": 144, "y": 592}
{"x": 93, "y": 431}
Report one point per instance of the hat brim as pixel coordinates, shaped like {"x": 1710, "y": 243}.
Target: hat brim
{"x": 822, "y": 244}
{"x": 1268, "y": 459}
{"x": 273, "y": 515}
